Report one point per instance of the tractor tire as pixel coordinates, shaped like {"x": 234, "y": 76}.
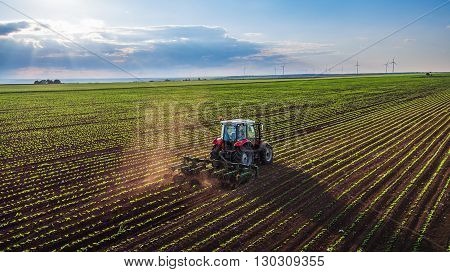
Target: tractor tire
{"x": 215, "y": 157}
{"x": 266, "y": 154}
{"x": 244, "y": 156}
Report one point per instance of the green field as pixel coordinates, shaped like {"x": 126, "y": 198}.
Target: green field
{"x": 361, "y": 163}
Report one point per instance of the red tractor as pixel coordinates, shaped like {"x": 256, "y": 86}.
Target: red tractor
{"x": 234, "y": 156}
{"x": 242, "y": 143}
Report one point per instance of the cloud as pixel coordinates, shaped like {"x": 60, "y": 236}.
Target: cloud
{"x": 289, "y": 51}
{"x": 408, "y": 40}
{"x": 448, "y": 27}
{"x": 28, "y": 47}
{"x": 253, "y": 34}
{"x": 7, "y": 28}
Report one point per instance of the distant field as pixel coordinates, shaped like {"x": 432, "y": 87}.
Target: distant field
{"x": 361, "y": 163}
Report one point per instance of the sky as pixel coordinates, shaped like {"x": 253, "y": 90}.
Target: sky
{"x": 190, "y": 38}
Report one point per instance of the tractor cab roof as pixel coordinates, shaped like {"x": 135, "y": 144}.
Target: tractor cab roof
{"x": 237, "y": 122}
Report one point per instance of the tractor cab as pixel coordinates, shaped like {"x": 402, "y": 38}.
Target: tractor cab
{"x": 240, "y": 131}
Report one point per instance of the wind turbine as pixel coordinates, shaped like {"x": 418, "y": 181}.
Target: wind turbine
{"x": 357, "y": 67}
{"x": 282, "y": 67}
{"x": 386, "y": 65}
{"x": 393, "y": 65}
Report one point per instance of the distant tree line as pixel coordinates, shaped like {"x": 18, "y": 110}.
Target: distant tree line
{"x": 188, "y": 79}
{"x": 48, "y": 81}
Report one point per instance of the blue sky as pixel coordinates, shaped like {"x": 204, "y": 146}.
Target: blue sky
{"x": 211, "y": 38}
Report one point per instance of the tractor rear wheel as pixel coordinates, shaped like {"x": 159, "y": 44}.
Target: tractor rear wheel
{"x": 215, "y": 157}
{"x": 266, "y": 154}
{"x": 244, "y": 156}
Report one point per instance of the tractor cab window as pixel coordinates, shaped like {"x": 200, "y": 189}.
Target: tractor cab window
{"x": 241, "y": 132}
{"x": 229, "y": 133}
{"x": 251, "y": 132}
{"x": 233, "y": 133}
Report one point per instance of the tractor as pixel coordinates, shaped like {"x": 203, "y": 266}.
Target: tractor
{"x": 234, "y": 157}
{"x": 241, "y": 142}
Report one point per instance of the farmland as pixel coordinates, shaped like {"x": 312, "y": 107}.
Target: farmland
{"x": 360, "y": 164}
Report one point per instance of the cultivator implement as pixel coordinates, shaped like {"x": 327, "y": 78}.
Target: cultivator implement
{"x": 228, "y": 174}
